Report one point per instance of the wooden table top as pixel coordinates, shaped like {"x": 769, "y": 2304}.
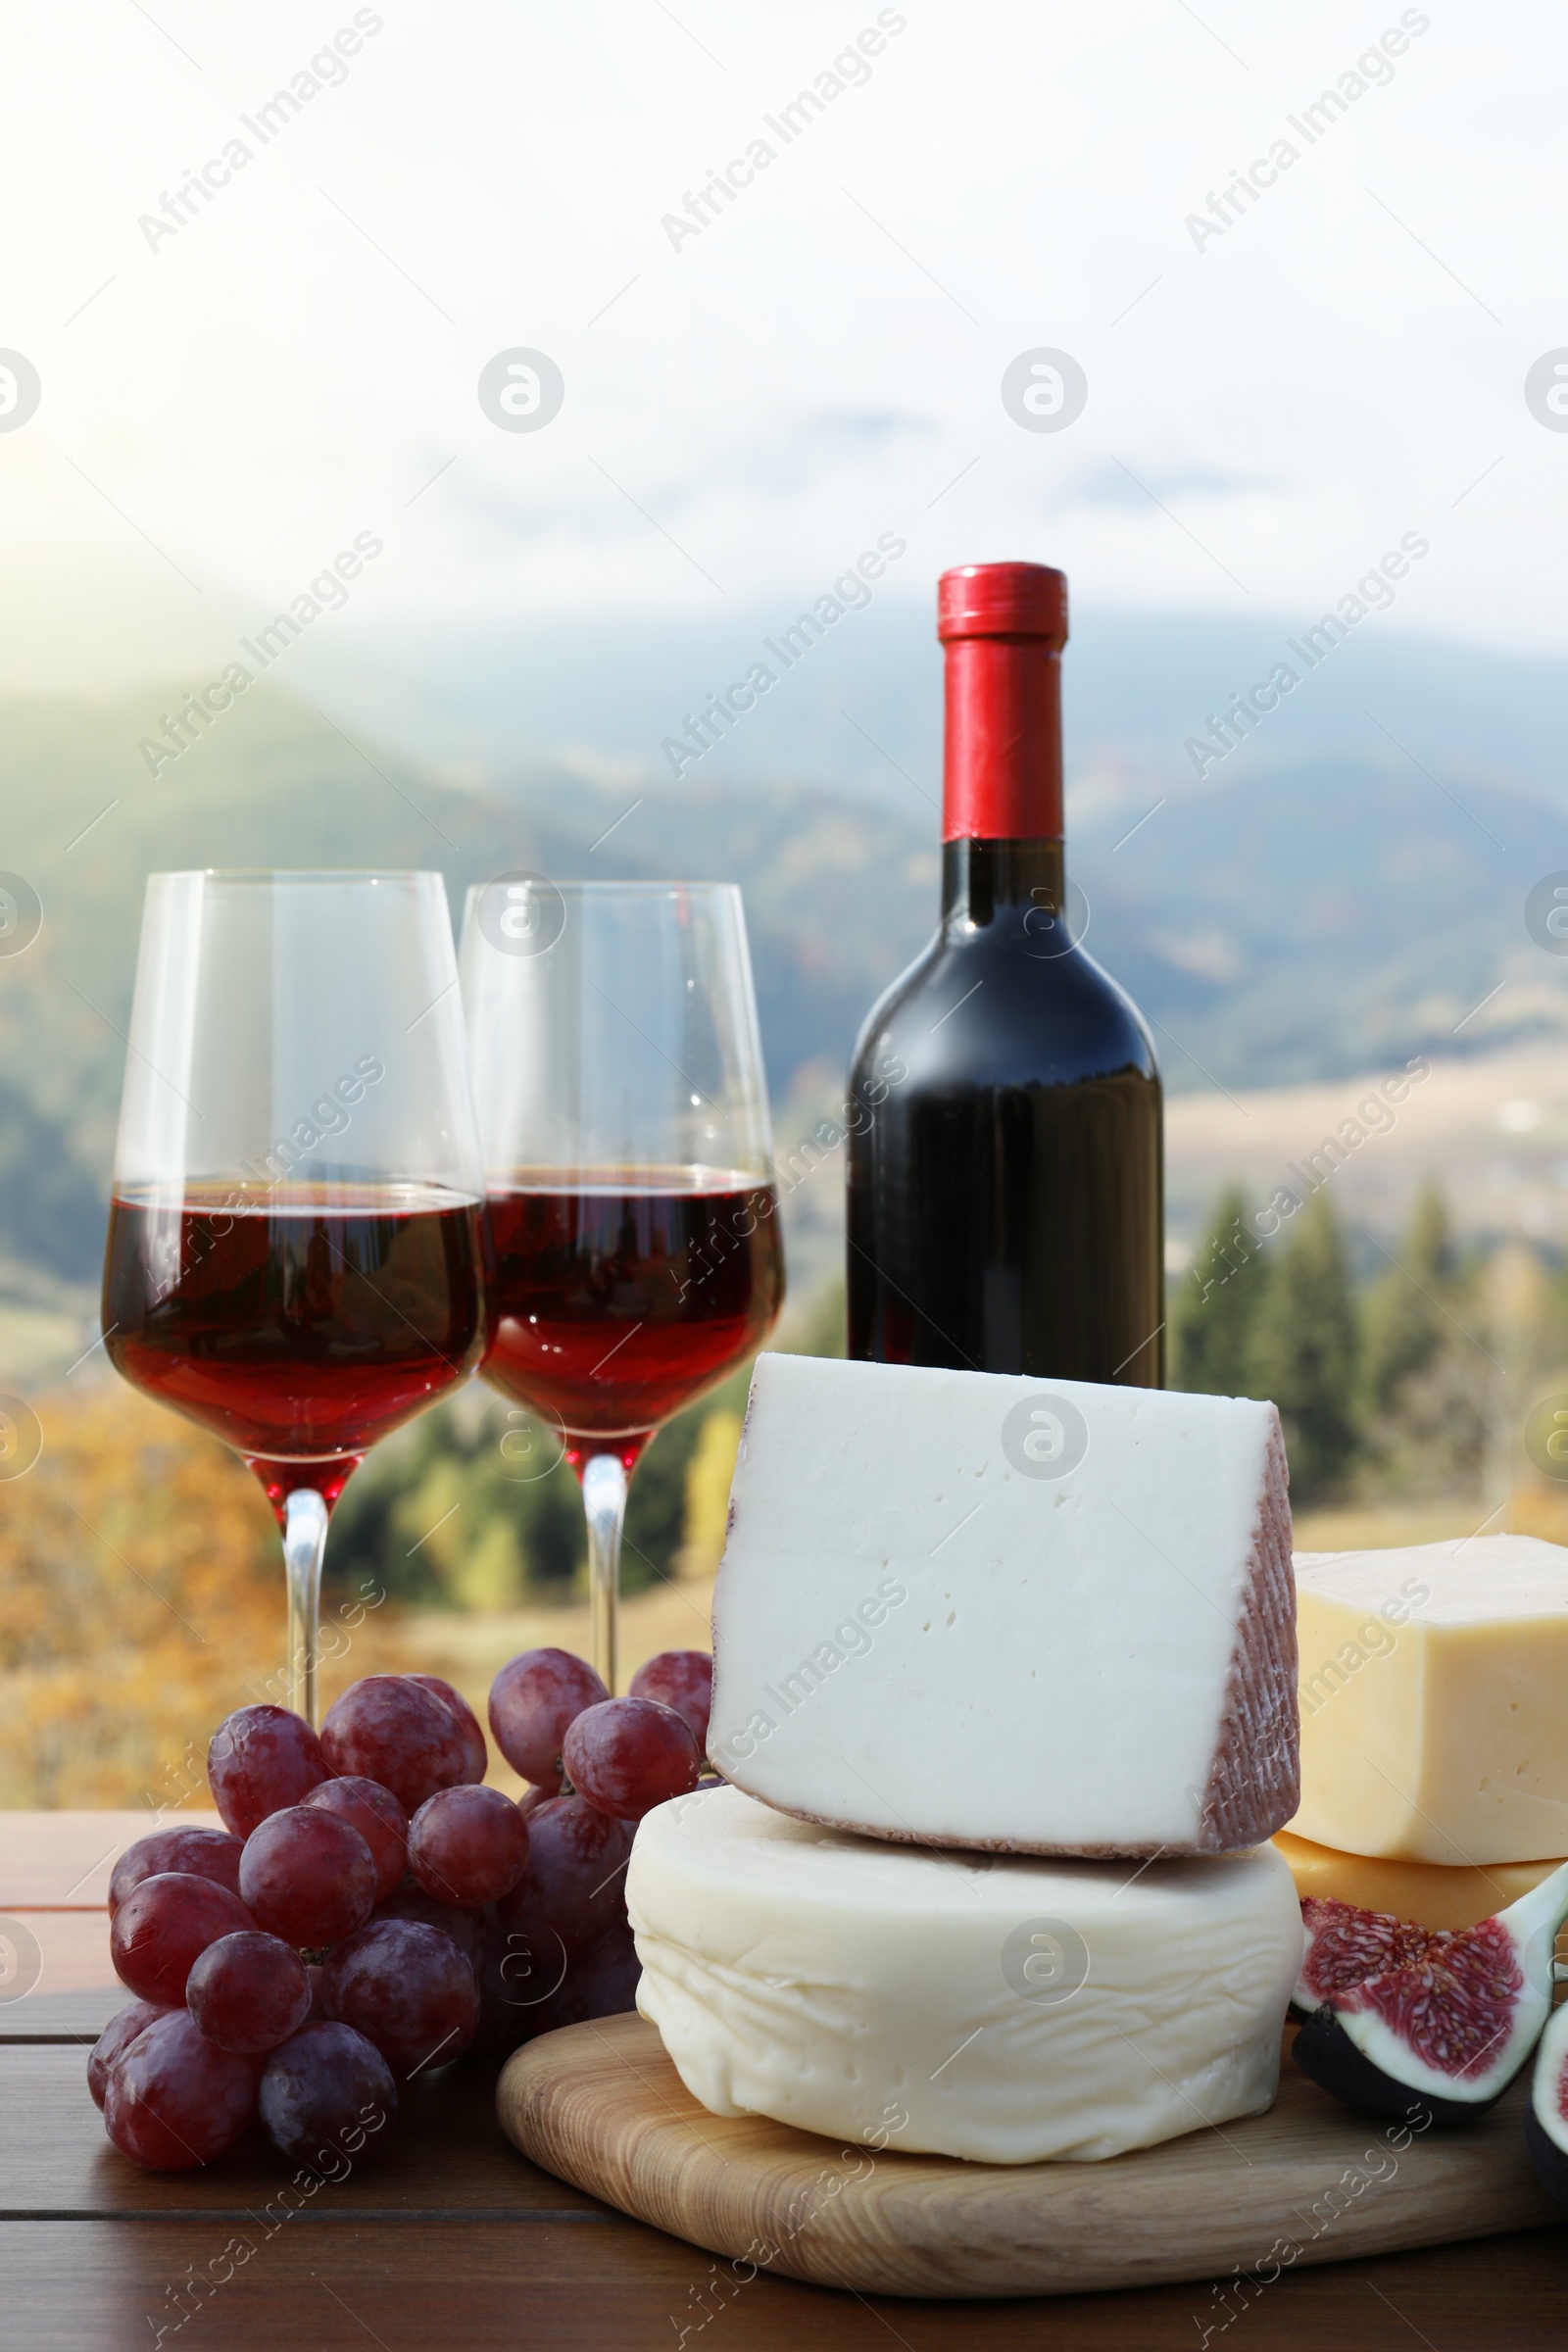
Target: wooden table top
{"x": 451, "y": 2239}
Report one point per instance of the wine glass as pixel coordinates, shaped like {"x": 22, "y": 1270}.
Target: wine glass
{"x": 296, "y": 1236}
{"x": 617, "y": 1075}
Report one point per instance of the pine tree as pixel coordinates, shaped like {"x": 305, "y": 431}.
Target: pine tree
{"x": 1216, "y": 1304}
{"x": 1305, "y": 1352}
{"x": 1407, "y": 1327}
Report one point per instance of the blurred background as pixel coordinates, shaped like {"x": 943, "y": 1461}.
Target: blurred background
{"x": 603, "y": 342}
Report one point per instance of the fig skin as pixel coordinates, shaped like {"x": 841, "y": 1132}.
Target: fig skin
{"x": 1326, "y": 2054}
{"x": 1549, "y": 2162}
{"x": 1548, "y": 2100}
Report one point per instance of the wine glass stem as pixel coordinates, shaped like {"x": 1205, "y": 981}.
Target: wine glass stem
{"x": 304, "y": 1542}
{"x": 604, "y": 1496}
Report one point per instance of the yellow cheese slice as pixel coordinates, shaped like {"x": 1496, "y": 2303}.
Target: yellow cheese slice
{"x": 1427, "y": 1892}
{"x": 1433, "y": 1694}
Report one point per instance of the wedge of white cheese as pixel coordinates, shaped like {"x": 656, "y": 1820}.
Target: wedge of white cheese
{"x": 1037, "y": 1617}
{"x": 994, "y": 2007}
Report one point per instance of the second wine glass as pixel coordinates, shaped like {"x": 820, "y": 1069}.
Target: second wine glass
{"x": 618, "y": 1078}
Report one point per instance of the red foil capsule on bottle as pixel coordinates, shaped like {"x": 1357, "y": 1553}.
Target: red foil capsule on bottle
{"x": 1003, "y": 628}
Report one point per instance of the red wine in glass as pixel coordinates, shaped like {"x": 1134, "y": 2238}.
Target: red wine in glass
{"x": 617, "y": 1079}
{"x": 301, "y": 1325}
{"x": 297, "y": 1241}
{"x": 622, "y": 1299}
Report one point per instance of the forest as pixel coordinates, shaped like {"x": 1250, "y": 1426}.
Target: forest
{"x": 141, "y": 1589}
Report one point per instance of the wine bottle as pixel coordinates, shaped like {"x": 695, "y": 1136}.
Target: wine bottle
{"x": 1006, "y": 1169}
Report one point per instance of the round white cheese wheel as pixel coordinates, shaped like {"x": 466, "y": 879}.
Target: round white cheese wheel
{"x": 998, "y": 2007}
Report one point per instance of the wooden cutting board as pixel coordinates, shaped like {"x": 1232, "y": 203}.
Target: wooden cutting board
{"x": 600, "y": 2105}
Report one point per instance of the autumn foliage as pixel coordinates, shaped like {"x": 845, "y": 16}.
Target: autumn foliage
{"x": 141, "y": 1598}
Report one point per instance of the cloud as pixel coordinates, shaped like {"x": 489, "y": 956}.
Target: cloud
{"x": 1108, "y": 484}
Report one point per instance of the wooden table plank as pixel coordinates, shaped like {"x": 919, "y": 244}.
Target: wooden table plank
{"x": 616, "y": 2286}
{"x": 51, "y": 1860}
{"x": 488, "y": 2250}
{"x": 56, "y": 1978}
{"x": 75, "y": 2017}
{"x": 51, "y": 1952}
{"x": 446, "y": 2153}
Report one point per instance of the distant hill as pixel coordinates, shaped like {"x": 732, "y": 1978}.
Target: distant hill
{"x": 1323, "y": 916}
{"x": 1309, "y": 915}
{"x": 864, "y": 708}
{"x": 837, "y": 895}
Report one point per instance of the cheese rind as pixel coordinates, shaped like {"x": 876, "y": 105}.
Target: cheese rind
{"x": 1431, "y": 1893}
{"x": 1433, "y": 1727}
{"x": 924, "y": 1633}
{"x": 1000, "y": 2008}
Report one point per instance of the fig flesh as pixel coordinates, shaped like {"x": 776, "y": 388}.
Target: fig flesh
{"x": 1546, "y": 2115}
{"x": 1345, "y": 1946}
{"x": 1424, "y": 2023}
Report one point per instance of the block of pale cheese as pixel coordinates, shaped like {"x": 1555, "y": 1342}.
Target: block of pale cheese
{"x": 998, "y": 2007}
{"x": 1435, "y": 1700}
{"x": 1434, "y": 1894}
{"x": 1019, "y": 1615}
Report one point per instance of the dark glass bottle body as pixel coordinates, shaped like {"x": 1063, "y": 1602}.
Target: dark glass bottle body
{"x": 1006, "y": 1196}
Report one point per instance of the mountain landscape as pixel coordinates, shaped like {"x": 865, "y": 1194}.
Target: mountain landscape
{"x": 1321, "y": 906}
{"x": 1310, "y": 910}
{"x": 862, "y": 708}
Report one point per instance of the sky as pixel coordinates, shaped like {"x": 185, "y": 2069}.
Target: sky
{"x": 1278, "y": 388}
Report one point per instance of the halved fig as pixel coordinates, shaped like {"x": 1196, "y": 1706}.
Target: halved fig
{"x": 1546, "y": 2115}
{"x": 1427, "y": 2024}
{"x": 1345, "y": 1946}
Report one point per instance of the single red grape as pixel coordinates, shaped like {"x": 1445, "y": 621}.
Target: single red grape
{"x": 380, "y": 1819}
{"x": 405, "y": 1987}
{"x": 465, "y": 1928}
{"x": 628, "y": 1755}
{"x": 198, "y": 1853}
{"x": 683, "y": 1679}
{"x": 532, "y": 1700}
{"x": 327, "y": 2098}
{"x": 468, "y": 1845}
{"x": 262, "y": 1758}
{"x": 116, "y": 2040}
{"x": 248, "y": 1991}
{"x": 602, "y": 1982}
{"x": 573, "y": 1881}
{"x": 163, "y": 1925}
{"x": 467, "y": 1721}
{"x": 174, "y": 2099}
{"x": 308, "y": 1876}
{"x": 386, "y": 1728}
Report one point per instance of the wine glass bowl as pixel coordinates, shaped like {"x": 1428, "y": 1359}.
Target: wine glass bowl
{"x": 299, "y": 1322}
{"x": 296, "y": 1252}
{"x": 626, "y": 1293}
{"x": 617, "y": 1075}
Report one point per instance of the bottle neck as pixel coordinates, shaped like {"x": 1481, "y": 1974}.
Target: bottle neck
{"x": 1002, "y": 770}
{"x": 986, "y": 881}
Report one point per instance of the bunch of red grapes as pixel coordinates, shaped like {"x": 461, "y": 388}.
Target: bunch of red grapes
{"x": 374, "y": 1911}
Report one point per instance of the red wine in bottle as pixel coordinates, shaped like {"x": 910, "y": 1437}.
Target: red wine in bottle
{"x": 1005, "y": 1173}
